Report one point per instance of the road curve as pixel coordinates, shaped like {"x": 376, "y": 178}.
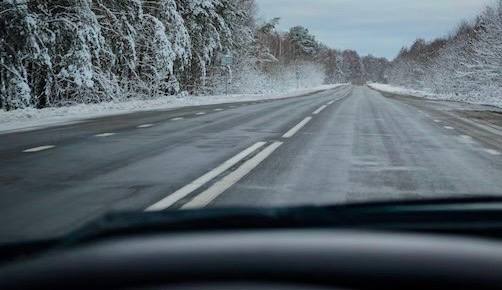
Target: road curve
{"x": 343, "y": 145}
{"x": 369, "y": 147}
{"x": 56, "y": 179}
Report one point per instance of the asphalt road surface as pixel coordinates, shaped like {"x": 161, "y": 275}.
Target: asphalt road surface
{"x": 349, "y": 144}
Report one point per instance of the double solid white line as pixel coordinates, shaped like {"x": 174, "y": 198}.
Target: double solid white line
{"x": 228, "y": 181}
{"x": 183, "y": 192}
{"x": 212, "y": 192}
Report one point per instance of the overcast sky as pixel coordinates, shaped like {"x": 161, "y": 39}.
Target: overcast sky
{"x": 378, "y": 27}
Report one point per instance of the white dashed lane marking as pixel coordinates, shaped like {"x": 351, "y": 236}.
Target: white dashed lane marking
{"x": 319, "y": 110}
{"x": 218, "y": 110}
{"x": 467, "y": 139}
{"x": 297, "y": 128}
{"x": 492, "y": 152}
{"x": 177, "y": 119}
{"x": 105, "y": 134}
{"x": 38, "y": 149}
{"x": 449, "y": 128}
{"x": 145, "y": 126}
{"x": 200, "y": 113}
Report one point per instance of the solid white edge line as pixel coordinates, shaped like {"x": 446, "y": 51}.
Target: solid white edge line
{"x": 320, "y": 109}
{"x": 296, "y": 128}
{"x": 331, "y": 102}
{"x": 228, "y": 181}
{"x": 39, "y": 148}
{"x": 197, "y": 183}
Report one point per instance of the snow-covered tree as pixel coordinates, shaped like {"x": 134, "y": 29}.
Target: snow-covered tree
{"x": 61, "y": 52}
{"x": 374, "y": 68}
{"x": 352, "y": 67}
{"x": 304, "y": 44}
{"x": 464, "y": 66}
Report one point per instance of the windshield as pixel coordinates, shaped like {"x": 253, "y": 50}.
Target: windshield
{"x": 110, "y": 106}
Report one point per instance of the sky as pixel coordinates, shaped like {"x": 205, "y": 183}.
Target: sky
{"x": 377, "y": 27}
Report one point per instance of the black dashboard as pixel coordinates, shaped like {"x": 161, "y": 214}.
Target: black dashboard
{"x": 328, "y": 259}
{"x": 435, "y": 244}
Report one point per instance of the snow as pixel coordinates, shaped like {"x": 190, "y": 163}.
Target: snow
{"x": 464, "y": 66}
{"x": 477, "y": 100}
{"x": 398, "y": 90}
{"x": 30, "y": 119}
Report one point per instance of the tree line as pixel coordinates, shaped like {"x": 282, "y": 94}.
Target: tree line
{"x": 62, "y": 52}
{"x": 466, "y": 64}
{"x": 59, "y": 52}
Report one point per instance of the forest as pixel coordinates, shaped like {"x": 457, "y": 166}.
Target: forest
{"x": 63, "y": 52}
{"x": 465, "y": 65}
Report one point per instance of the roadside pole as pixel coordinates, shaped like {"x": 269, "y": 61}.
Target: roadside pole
{"x": 226, "y": 61}
{"x": 228, "y": 79}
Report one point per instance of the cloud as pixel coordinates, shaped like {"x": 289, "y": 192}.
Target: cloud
{"x": 378, "y": 27}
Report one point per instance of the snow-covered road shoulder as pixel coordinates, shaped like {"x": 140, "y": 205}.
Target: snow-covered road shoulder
{"x": 398, "y": 90}
{"x": 32, "y": 119}
{"x": 478, "y": 100}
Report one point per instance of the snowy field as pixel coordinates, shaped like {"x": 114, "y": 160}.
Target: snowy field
{"x": 477, "y": 100}
{"x": 31, "y": 119}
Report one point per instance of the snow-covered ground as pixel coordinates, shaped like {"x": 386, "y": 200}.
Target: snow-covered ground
{"x": 30, "y": 119}
{"x": 478, "y": 100}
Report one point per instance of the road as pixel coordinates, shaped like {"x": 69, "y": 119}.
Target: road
{"x": 349, "y": 144}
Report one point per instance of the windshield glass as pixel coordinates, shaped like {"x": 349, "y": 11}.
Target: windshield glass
{"x": 166, "y": 105}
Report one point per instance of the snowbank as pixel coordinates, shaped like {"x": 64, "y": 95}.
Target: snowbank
{"x": 31, "y": 119}
{"x": 479, "y": 100}
{"x": 399, "y": 90}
